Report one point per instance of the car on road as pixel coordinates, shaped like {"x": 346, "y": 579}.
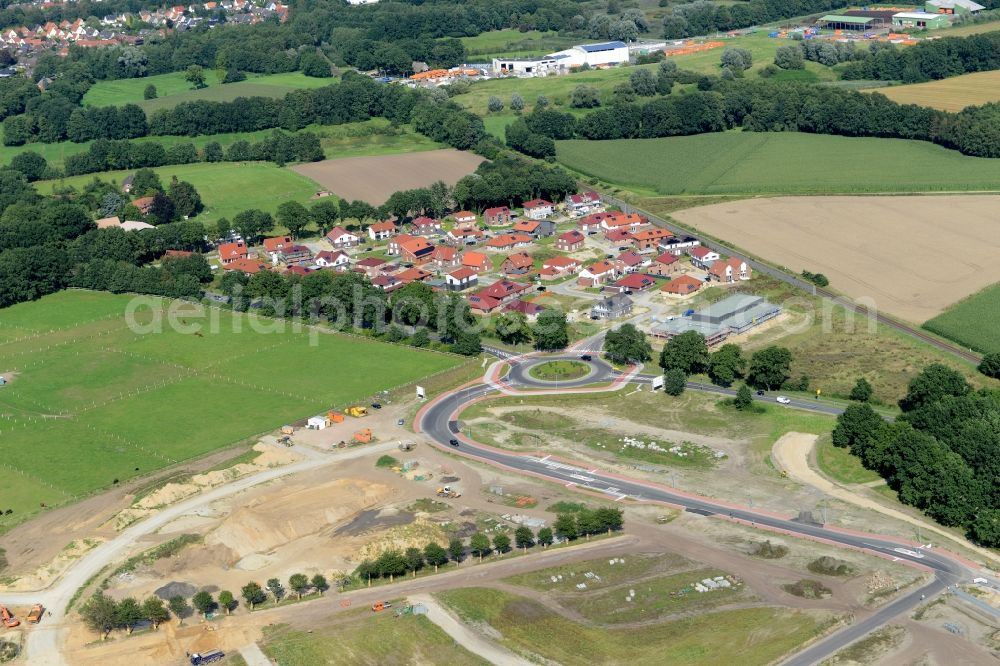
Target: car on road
{"x": 784, "y": 400}
{"x": 586, "y": 357}
{"x": 760, "y": 393}
{"x": 376, "y": 405}
{"x": 453, "y": 442}
{"x": 400, "y": 422}
{"x": 542, "y": 288}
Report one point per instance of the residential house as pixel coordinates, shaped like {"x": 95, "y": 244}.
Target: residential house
{"x": 445, "y": 258}
{"x": 619, "y": 236}
{"x": 411, "y": 249}
{"x": 273, "y": 246}
{"x": 298, "y": 269}
{"x": 464, "y": 235}
{"x": 702, "y": 257}
{"x": 729, "y": 270}
{"x": 382, "y": 230}
{"x": 582, "y": 204}
{"x": 292, "y": 255}
{"x": 536, "y": 228}
{"x": 537, "y": 209}
{"x": 426, "y": 226}
{"x": 557, "y": 267}
{"x": 518, "y": 263}
{"x": 629, "y": 221}
{"x": 464, "y": 218}
{"x": 230, "y": 252}
{"x": 571, "y": 241}
{"x": 612, "y": 307}
{"x": 508, "y": 242}
{"x": 599, "y": 274}
{"x": 498, "y": 217}
{"x": 144, "y": 204}
{"x": 648, "y": 240}
{"x": 678, "y": 245}
{"x": 341, "y": 238}
{"x": 632, "y": 262}
{"x": 248, "y": 266}
{"x": 412, "y": 275}
{"x": 528, "y": 309}
{"x": 633, "y": 282}
{"x": 477, "y": 261}
{"x": 665, "y": 264}
{"x": 591, "y": 224}
{"x": 497, "y": 294}
{"x": 461, "y": 279}
{"x": 332, "y": 259}
{"x": 682, "y": 286}
{"x": 370, "y": 266}
{"x": 387, "y": 283}
{"x": 482, "y": 303}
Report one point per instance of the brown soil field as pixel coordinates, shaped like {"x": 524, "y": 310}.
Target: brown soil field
{"x": 912, "y": 256}
{"x": 951, "y": 94}
{"x": 373, "y": 179}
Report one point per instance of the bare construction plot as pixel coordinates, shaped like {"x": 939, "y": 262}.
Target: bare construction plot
{"x": 373, "y": 179}
{"x": 913, "y": 256}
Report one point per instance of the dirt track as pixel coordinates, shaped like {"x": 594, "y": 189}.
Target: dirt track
{"x": 913, "y": 256}
{"x": 373, "y": 179}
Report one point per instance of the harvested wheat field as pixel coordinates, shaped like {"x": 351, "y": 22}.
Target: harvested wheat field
{"x": 951, "y": 94}
{"x": 913, "y": 256}
{"x": 373, "y": 179}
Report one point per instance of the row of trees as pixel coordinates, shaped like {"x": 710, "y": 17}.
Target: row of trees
{"x": 704, "y": 17}
{"x": 941, "y": 455}
{"x": 550, "y": 331}
{"x": 568, "y": 526}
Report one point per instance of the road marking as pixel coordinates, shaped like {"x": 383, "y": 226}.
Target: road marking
{"x": 545, "y": 458}
{"x": 621, "y": 497}
{"x": 570, "y": 484}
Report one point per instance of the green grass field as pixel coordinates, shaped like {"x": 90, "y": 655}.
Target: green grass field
{"x": 777, "y": 163}
{"x": 841, "y": 465}
{"x": 363, "y": 637}
{"x": 972, "y": 322}
{"x": 512, "y": 42}
{"x": 92, "y": 400}
{"x": 751, "y": 636}
{"x": 172, "y": 89}
{"x": 226, "y": 188}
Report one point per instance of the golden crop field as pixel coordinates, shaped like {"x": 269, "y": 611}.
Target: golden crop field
{"x": 952, "y": 94}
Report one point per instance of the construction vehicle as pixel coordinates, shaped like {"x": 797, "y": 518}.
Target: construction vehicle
{"x": 379, "y": 606}
{"x": 35, "y": 614}
{"x": 285, "y": 441}
{"x": 207, "y": 657}
{"x": 407, "y": 446}
{"x": 363, "y": 436}
{"x": 9, "y": 620}
{"x": 334, "y": 417}
{"x": 449, "y": 492}
{"x": 357, "y": 411}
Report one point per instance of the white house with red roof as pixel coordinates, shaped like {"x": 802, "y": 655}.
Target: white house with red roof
{"x": 702, "y": 257}
{"x": 340, "y": 237}
{"x": 464, "y": 217}
{"x": 633, "y": 282}
{"x": 371, "y": 266}
{"x": 537, "y": 209}
{"x": 557, "y": 267}
{"x": 230, "y": 252}
{"x": 477, "y": 261}
{"x": 729, "y": 270}
{"x": 382, "y": 230}
{"x": 599, "y": 274}
{"x": 583, "y": 203}
{"x": 426, "y": 226}
{"x": 273, "y": 246}
{"x": 464, "y": 235}
{"x": 332, "y": 259}
{"x": 506, "y": 242}
{"x": 498, "y": 216}
{"x": 445, "y": 258}
{"x": 461, "y": 279}
{"x": 571, "y": 241}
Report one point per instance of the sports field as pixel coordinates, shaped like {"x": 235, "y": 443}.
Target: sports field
{"x": 891, "y": 251}
{"x": 778, "y": 163}
{"x": 975, "y": 322}
{"x": 373, "y": 179}
{"x": 92, "y": 401}
{"x": 173, "y": 89}
{"x": 951, "y": 94}
{"x": 226, "y": 188}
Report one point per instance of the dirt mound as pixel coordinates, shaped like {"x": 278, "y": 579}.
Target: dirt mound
{"x": 417, "y": 534}
{"x": 175, "y": 589}
{"x": 298, "y": 511}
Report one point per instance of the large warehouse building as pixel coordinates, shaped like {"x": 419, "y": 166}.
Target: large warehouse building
{"x": 595, "y": 55}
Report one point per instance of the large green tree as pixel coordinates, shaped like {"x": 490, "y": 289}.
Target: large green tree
{"x": 686, "y": 352}
{"x": 550, "y": 330}
{"x": 726, "y": 365}
{"x": 933, "y": 383}
{"x": 627, "y": 344}
{"x": 770, "y": 368}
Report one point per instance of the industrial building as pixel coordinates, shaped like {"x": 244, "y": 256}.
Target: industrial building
{"x": 920, "y": 20}
{"x": 731, "y": 316}
{"x": 604, "y": 54}
{"x": 956, "y": 7}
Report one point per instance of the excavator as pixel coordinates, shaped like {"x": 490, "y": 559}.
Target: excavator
{"x": 9, "y": 620}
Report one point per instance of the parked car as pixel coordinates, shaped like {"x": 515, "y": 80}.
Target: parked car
{"x": 400, "y": 422}
{"x": 784, "y": 400}
{"x": 541, "y": 288}
{"x": 376, "y": 405}
{"x": 760, "y": 393}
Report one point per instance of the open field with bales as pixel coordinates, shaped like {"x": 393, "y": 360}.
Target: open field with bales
{"x": 777, "y": 163}
{"x": 951, "y": 94}
{"x": 889, "y": 251}
{"x": 972, "y": 322}
{"x": 172, "y": 89}
{"x": 752, "y": 635}
{"x": 373, "y": 179}
{"x": 226, "y": 188}
{"x": 150, "y": 399}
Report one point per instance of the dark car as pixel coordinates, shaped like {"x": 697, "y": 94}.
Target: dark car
{"x": 541, "y": 288}
{"x": 376, "y": 405}
{"x": 453, "y": 442}
{"x": 623, "y": 248}
{"x": 586, "y": 357}
{"x": 609, "y": 256}
{"x": 760, "y": 393}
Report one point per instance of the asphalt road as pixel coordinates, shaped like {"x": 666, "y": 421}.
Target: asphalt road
{"x": 439, "y": 423}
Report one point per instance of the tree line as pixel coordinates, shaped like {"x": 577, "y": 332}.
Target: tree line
{"x": 941, "y": 455}
{"x": 586, "y": 522}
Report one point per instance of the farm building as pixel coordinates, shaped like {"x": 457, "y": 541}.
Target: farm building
{"x": 595, "y": 55}
{"x": 526, "y": 66}
{"x": 843, "y": 22}
{"x": 920, "y": 20}
{"x": 730, "y": 316}
{"x": 957, "y": 7}
{"x": 612, "y": 307}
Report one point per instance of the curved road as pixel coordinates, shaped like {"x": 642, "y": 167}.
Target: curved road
{"x": 438, "y": 420}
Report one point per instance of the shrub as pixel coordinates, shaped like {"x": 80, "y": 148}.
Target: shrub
{"x": 829, "y": 566}
{"x": 768, "y": 551}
